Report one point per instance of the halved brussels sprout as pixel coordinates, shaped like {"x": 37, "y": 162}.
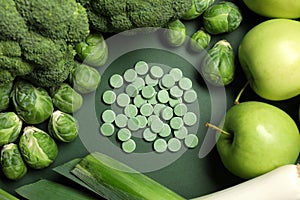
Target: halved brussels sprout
{"x": 13, "y": 166}
{"x": 63, "y": 126}
{"x": 200, "y": 40}
{"x": 222, "y": 17}
{"x": 10, "y": 127}
{"x": 38, "y": 148}
{"x": 5, "y": 95}
{"x": 218, "y": 65}
{"x": 65, "y": 98}
{"x": 32, "y": 104}
{"x": 93, "y": 51}
{"x": 175, "y": 33}
{"x": 197, "y": 8}
{"x": 84, "y": 78}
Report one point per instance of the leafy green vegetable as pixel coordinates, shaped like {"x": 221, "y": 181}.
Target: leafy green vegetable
{"x": 38, "y": 149}
{"x": 6, "y": 196}
{"x": 13, "y": 166}
{"x": 5, "y": 91}
{"x": 200, "y": 40}
{"x": 198, "y": 7}
{"x": 10, "y": 127}
{"x": 175, "y": 33}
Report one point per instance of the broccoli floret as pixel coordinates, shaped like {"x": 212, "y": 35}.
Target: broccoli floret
{"x": 12, "y": 25}
{"x": 121, "y": 15}
{"x": 10, "y": 49}
{"x": 56, "y": 19}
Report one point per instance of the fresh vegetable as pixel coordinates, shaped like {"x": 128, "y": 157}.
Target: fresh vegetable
{"x": 197, "y": 8}
{"x": 12, "y": 164}
{"x": 10, "y": 127}
{"x": 5, "y": 91}
{"x": 200, "y": 40}
{"x": 38, "y": 149}
{"x": 281, "y": 183}
{"x": 93, "y": 51}
{"x": 63, "y": 126}
{"x": 175, "y": 33}
{"x": 118, "y": 16}
{"x": 65, "y": 98}
{"x": 270, "y": 57}
{"x": 6, "y": 196}
{"x": 218, "y": 65}
{"x": 32, "y": 104}
{"x": 114, "y": 180}
{"x": 84, "y": 79}
{"x": 222, "y": 17}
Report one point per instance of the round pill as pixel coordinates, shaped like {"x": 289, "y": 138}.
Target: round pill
{"x": 156, "y": 72}
{"x": 156, "y": 125}
{"x": 173, "y": 102}
{"x": 176, "y": 92}
{"x": 131, "y": 90}
{"x": 142, "y": 121}
{"x": 130, "y": 75}
{"x": 163, "y": 96}
{"x": 133, "y": 124}
{"x": 176, "y": 74}
{"x": 174, "y": 145}
{"x": 150, "y": 81}
{"x": 176, "y": 123}
{"x": 190, "y": 96}
{"x": 129, "y": 146}
{"x": 123, "y": 100}
{"x": 116, "y": 81}
{"x": 181, "y": 133}
{"x": 124, "y": 134}
{"x": 160, "y": 145}
{"x": 168, "y": 81}
{"x": 138, "y": 100}
{"x": 153, "y": 100}
{"x": 139, "y": 83}
{"x": 191, "y": 141}
{"x": 121, "y": 120}
{"x": 108, "y": 116}
{"x": 109, "y": 97}
{"x": 141, "y": 68}
{"x": 190, "y": 118}
{"x": 107, "y": 129}
{"x": 151, "y": 118}
{"x": 185, "y": 83}
{"x": 130, "y": 110}
{"x": 166, "y": 131}
{"x": 148, "y": 135}
{"x": 167, "y": 113}
{"x": 146, "y": 109}
{"x": 148, "y": 92}
{"x": 158, "y": 108}
{"x": 180, "y": 109}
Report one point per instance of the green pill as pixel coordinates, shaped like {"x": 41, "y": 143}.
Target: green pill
{"x": 190, "y": 118}
{"x": 141, "y": 68}
{"x": 129, "y": 146}
{"x": 107, "y": 129}
{"x": 148, "y": 135}
{"x": 176, "y": 74}
{"x": 181, "y": 133}
{"x": 138, "y": 100}
{"x": 174, "y": 144}
{"x": 158, "y": 108}
{"x": 176, "y": 123}
{"x": 116, "y": 81}
{"x": 191, "y": 141}
{"x": 176, "y": 92}
{"x": 173, "y": 102}
{"x": 131, "y": 90}
{"x": 190, "y": 96}
{"x": 153, "y": 100}
{"x": 185, "y": 83}
{"x": 180, "y": 109}
{"x": 133, "y": 124}
{"x": 130, "y": 110}
{"x": 150, "y": 81}
{"x": 148, "y": 92}
{"x": 109, "y": 97}
{"x": 123, "y": 100}
{"x": 108, "y": 116}
{"x": 160, "y": 145}
{"x": 121, "y": 120}
{"x": 168, "y": 81}
{"x": 130, "y": 75}
{"x": 163, "y": 96}
{"x": 142, "y": 121}
{"x": 156, "y": 125}
{"x": 124, "y": 134}
{"x": 146, "y": 109}
{"x": 166, "y": 131}
{"x": 156, "y": 72}
{"x": 167, "y": 113}
{"x": 151, "y": 118}
{"x": 139, "y": 83}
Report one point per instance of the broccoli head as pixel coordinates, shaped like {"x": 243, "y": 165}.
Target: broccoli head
{"x": 121, "y": 15}
{"x": 56, "y": 19}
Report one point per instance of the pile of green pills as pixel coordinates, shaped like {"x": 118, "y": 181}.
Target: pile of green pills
{"x": 152, "y": 101}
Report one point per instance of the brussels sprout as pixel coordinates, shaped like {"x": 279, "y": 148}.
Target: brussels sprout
{"x": 222, "y": 17}
{"x": 32, "y": 104}
{"x": 38, "y": 148}
{"x": 197, "y": 8}
{"x": 63, "y": 126}
{"x": 10, "y": 127}
{"x": 218, "y": 65}
{"x": 65, "y": 98}
{"x": 200, "y": 40}
{"x": 93, "y": 51}
{"x": 175, "y": 33}
{"x": 5, "y": 95}
{"x": 12, "y": 163}
{"x": 84, "y": 79}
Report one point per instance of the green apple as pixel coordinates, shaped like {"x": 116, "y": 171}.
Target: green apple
{"x": 269, "y": 54}
{"x": 260, "y": 137}
{"x": 275, "y": 8}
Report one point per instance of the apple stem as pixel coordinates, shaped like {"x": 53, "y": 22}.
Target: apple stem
{"x": 217, "y": 129}
{"x": 236, "y": 101}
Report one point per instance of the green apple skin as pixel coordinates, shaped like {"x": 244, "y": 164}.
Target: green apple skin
{"x": 263, "y": 137}
{"x": 269, "y": 54}
{"x": 275, "y": 8}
